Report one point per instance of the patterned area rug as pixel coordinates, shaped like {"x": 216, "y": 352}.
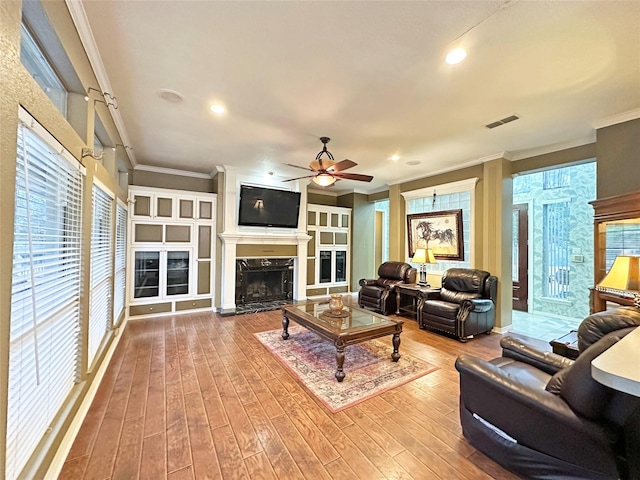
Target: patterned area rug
{"x": 368, "y": 366}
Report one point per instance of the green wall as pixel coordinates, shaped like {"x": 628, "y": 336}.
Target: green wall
{"x": 618, "y": 154}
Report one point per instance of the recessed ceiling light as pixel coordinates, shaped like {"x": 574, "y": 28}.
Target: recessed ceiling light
{"x": 395, "y": 158}
{"x": 413, "y": 162}
{"x": 455, "y": 56}
{"x": 217, "y": 108}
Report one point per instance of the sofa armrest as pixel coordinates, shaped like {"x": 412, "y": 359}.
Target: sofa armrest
{"x": 516, "y": 407}
{"x": 479, "y": 305}
{"x": 526, "y": 352}
{"x": 365, "y": 282}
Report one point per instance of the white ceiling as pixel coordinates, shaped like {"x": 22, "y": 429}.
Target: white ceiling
{"x": 370, "y": 75}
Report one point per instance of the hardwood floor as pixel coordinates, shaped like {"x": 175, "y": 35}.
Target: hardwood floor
{"x": 196, "y": 396}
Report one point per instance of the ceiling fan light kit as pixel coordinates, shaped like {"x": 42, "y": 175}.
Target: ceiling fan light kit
{"x": 327, "y": 171}
{"x": 324, "y": 180}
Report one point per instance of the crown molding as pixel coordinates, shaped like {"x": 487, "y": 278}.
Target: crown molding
{"x": 554, "y": 147}
{"x": 171, "y": 171}
{"x": 618, "y": 118}
{"x": 81, "y": 22}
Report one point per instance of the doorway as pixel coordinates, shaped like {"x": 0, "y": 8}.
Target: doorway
{"x": 520, "y": 260}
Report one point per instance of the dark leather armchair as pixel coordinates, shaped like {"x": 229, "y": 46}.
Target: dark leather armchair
{"x": 379, "y": 294}
{"x": 543, "y": 416}
{"x": 465, "y": 305}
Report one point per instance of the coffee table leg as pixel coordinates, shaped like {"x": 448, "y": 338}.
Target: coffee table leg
{"x": 340, "y": 361}
{"x": 395, "y": 356}
{"x": 285, "y": 327}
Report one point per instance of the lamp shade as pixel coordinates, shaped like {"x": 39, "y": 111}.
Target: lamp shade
{"x": 624, "y": 275}
{"x": 324, "y": 179}
{"x": 419, "y": 256}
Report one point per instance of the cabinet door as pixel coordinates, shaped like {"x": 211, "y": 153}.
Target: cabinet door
{"x": 147, "y": 275}
{"x": 177, "y": 272}
{"x": 341, "y": 266}
{"x": 325, "y": 266}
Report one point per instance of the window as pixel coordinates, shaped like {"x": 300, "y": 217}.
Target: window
{"x": 40, "y": 69}
{"x": 45, "y": 291}
{"x": 556, "y": 250}
{"x": 557, "y": 178}
{"x": 100, "y": 315}
{"x": 120, "y": 263}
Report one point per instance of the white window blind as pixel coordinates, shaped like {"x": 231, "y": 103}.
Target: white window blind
{"x": 101, "y": 270}
{"x": 45, "y": 292}
{"x": 120, "y": 263}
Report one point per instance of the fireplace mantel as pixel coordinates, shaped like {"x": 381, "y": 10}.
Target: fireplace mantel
{"x": 274, "y": 237}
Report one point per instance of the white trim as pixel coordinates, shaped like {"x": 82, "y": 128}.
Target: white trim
{"x": 55, "y": 467}
{"x": 502, "y": 330}
{"x": 171, "y": 171}
{"x": 618, "y": 118}
{"x": 32, "y": 124}
{"x": 555, "y": 147}
{"x": 104, "y": 188}
{"x": 81, "y": 22}
{"x": 453, "y": 187}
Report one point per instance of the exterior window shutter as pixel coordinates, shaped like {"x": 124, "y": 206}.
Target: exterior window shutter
{"x": 100, "y": 316}
{"x": 45, "y": 291}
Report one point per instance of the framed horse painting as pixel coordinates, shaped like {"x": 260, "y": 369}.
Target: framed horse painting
{"x": 440, "y": 231}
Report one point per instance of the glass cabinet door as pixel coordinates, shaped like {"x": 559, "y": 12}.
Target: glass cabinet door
{"x": 341, "y": 266}
{"x": 177, "y": 273}
{"x": 147, "y": 269}
{"x": 325, "y": 266}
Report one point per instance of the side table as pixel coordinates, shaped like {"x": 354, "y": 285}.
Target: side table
{"x": 567, "y": 345}
{"x": 418, "y": 294}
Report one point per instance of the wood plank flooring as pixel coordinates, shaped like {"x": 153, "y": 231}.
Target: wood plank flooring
{"x": 196, "y": 396}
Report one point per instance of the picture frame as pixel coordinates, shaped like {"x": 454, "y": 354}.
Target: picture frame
{"x": 439, "y": 231}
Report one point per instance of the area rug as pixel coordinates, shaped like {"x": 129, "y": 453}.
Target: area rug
{"x": 368, "y": 366}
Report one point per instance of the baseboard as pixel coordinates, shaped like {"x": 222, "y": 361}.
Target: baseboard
{"x": 502, "y": 330}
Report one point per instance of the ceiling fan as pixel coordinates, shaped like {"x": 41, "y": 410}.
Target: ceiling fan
{"x": 327, "y": 171}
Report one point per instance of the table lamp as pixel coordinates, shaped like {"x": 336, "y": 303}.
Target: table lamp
{"x": 623, "y": 278}
{"x": 423, "y": 256}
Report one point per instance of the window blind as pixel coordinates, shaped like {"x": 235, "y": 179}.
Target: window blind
{"x": 100, "y": 315}
{"x": 45, "y": 292}
{"x": 120, "y": 263}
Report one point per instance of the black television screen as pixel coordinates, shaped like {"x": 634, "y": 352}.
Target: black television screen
{"x": 268, "y": 207}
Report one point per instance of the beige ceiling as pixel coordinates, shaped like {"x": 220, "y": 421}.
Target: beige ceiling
{"x": 370, "y": 75}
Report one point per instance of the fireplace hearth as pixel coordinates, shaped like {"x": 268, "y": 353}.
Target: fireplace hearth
{"x": 263, "y": 283}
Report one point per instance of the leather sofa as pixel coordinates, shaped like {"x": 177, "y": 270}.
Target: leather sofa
{"x": 379, "y": 294}
{"x": 465, "y": 305}
{"x": 543, "y": 416}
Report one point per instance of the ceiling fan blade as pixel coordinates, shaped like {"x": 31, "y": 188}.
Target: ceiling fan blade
{"x": 341, "y": 166}
{"x": 298, "y": 178}
{"x": 298, "y": 166}
{"x": 353, "y": 176}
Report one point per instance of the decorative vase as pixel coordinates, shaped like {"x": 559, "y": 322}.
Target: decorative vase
{"x": 335, "y": 304}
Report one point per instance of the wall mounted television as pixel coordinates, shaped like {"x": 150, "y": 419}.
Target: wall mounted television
{"x": 268, "y": 207}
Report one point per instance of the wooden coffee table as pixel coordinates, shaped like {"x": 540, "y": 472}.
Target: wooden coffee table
{"x": 357, "y": 326}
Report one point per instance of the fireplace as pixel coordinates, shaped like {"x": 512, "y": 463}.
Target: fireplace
{"x": 263, "y": 281}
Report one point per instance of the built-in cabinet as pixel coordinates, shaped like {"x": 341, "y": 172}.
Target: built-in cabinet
{"x": 328, "y": 250}
{"x": 616, "y": 222}
{"x": 171, "y": 250}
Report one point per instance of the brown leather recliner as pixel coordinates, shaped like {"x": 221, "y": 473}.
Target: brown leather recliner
{"x": 380, "y": 294}
{"x": 543, "y": 416}
{"x": 465, "y": 305}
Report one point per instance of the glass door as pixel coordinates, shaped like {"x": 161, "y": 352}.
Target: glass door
{"x": 177, "y": 273}
{"x": 147, "y": 274}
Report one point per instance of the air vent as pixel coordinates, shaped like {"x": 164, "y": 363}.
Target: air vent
{"x": 502, "y": 121}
